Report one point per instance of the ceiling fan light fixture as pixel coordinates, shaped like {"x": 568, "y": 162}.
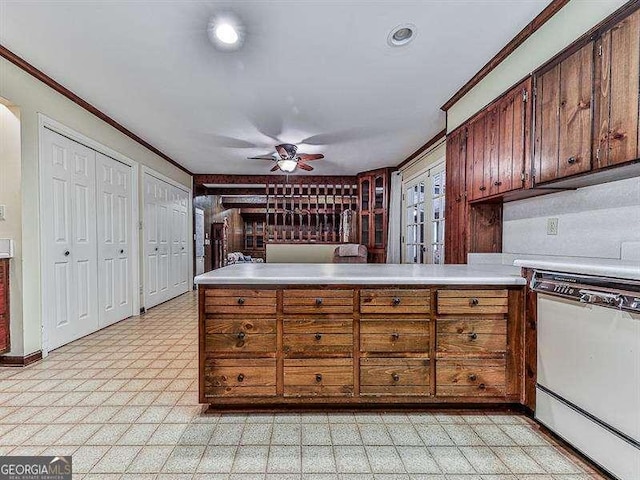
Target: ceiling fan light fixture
{"x": 287, "y": 165}
{"x": 226, "y": 33}
{"x": 401, "y": 35}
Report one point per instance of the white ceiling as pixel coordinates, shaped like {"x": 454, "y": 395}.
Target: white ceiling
{"x": 309, "y": 69}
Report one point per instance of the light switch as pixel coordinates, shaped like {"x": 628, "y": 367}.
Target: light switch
{"x": 2, "y": 212}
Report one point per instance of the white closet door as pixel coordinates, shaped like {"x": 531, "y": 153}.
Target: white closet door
{"x": 114, "y": 239}
{"x": 166, "y": 249}
{"x": 69, "y": 231}
{"x": 179, "y": 252}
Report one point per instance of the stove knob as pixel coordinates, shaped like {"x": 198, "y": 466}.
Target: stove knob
{"x": 586, "y": 298}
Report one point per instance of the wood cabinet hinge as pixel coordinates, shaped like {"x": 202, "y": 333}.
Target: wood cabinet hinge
{"x": 522, "y": 176}
{"x": 600, "y": 50}
{"x": 525, "y": 96}
{"x": 598, "y": 153}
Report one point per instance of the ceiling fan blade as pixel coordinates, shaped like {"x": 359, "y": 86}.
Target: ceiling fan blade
{"x": 231, "y": 142}
{"x": 274, "y": 168}
{"x": 352, "y": 134}
{"x": 266, "y": 156}
{"x": 304, "y": 166}
{"x": 307, "y": 157}
{"x": 268, "y": 123}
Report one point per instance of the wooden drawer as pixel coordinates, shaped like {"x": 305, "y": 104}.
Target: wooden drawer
{"x": 473, "y": 301}
{"x": 230, "y": 335}
{"x": 240, "y": 301}
{"x": 394, "y": 376}
{"x": 318, "y": 377}
{"x": 471, "y": 378}
{"x": 317, "y": 301}
{"x": 474, "y": 335}
{"x": 395, "y": 300}
{"x": 394, "y": 335}
{"x": 318, "y": 336}
{"x": 240, "y": 377}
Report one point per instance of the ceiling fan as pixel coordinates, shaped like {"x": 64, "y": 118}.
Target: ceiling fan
{"x": 288, "y": 158}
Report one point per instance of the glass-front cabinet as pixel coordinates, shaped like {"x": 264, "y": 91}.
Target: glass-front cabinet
{"x": 374, "y": 205}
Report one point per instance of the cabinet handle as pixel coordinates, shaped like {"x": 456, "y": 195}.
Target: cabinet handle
{"x": 395, "y": 301}
{"x": 318, "y": 377}
{"x": 241, "y": 336}
{"x": 66, "y": 253}
{"x": 482, "y": 189}
{"x": 497, "y": 184}
{"x": 473, "y": 302}
{"x": 395, "y": 377}
{"x": 318, "y": 336}
{"x": 473, "y": 336}
{"x": 241, "y": 378}
{"x": 395, "y": 336}
{"x": 571, "y": 160}
{"x": 240, "y": 301}
{"x": 472, "y": 377}
{"x": 318, "y": 302}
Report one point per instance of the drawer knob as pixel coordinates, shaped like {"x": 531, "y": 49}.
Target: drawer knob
{"x": 473, "y": 302}
{"x": 241, "y": 301}
{"x": 571, "y": 160}
{"x": 395, "y": 301}
{"x": 473, "y": 377}
{"x": 241, "y": 336}
{"x": 318, "y": 377}
{"x": 318, "y": 302}
{"x": 395, "y": 336}
{"x": 473, "y": 336}
{"x": 395, "y": 377}
{"x": 497, "y": 184}
{"x": 482, "y": 386}
{"x": 318, "y": 336}
{"x": 482, "y": 189}
{"x": 241, "y": 378}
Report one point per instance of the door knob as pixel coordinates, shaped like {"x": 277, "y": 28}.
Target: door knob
{"x": 482, "y": 189}
{"x": 66, "y": 253}
{"x": 571, "y": 160}
{"x": 121, "y": 252}
{"x": 156, "y": 249}
{"x": 497, "y": 184}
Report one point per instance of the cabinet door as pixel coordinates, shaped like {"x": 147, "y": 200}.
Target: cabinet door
{"x": 455, "y": 216}
{"x": 477, "y": 179}
{"x": 617, "y": 84}
{"x": 492, "y": 150}
{"x": 511, "y": 141}
{"x": 563, "y": 117}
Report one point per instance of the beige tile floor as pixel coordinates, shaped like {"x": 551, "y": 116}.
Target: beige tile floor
{"x": 123, "y": 402}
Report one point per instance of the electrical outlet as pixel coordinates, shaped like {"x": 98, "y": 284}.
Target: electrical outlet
{"x": 552, "y": 226}
{"x": 2, "y": 207}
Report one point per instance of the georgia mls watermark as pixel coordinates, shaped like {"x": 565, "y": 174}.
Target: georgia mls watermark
{"x": 35, "y": 468}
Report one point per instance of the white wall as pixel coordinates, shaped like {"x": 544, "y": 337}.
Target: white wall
{"x": 32, "y": 97}
{"x": 572, "y": 21}
{"x": 433, "y": 155}
{"x": 592, "y": 221}
{"x": 11, "y": 227}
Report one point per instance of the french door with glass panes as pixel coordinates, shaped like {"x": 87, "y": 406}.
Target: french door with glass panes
{"x": 423, "y": 217}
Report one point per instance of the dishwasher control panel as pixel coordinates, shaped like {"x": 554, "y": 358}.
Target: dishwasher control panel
{"x": 603, "y": 291}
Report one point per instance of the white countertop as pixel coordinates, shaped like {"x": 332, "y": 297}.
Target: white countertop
{"x": 586, "y": 266}
{"x": 361, "y": 274}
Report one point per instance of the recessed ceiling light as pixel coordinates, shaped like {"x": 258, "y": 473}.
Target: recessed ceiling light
{"x": 401, "y": 35}
{"x": 226, "y": 34}
{"x": 226, "y": 31}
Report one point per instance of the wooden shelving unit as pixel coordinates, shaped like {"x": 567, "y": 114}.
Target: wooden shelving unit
{"x": 308, "y": 213}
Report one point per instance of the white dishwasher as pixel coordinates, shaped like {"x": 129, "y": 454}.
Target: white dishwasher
{"x": 588, "y": 385}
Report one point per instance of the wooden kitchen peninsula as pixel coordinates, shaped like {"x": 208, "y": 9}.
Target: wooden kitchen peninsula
{"x": 307, "y": 335}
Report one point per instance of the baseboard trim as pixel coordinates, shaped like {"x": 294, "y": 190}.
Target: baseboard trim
{"x": 15, "y": 361}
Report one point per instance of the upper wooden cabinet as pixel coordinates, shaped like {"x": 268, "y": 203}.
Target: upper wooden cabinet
{"x": 455, "y": 244}
{"x": 496, "y": 145}
{"x": 617, "y": 83}
{"x": 563, "y": 116}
